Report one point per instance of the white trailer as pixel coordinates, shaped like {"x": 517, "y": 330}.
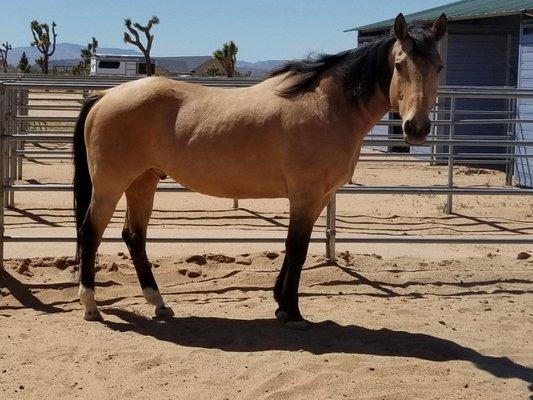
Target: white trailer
{"x": 117, "y": 65}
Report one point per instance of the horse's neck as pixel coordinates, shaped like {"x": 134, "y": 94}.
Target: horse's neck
{"x": 370, "y": 113}
{"x": 360, "y": 118}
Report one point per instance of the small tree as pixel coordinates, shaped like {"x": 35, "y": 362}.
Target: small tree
{"x": 85, "y": 54}
{"x": 24, "y": 65}
{"x": 45, "y": 43}
{"x": 137, "y": 42}
{"x": 40, "y": 63}
{"x": 89, "y": 51}
{"x": 4, "y": 49}
{"x": 227, "y": 56}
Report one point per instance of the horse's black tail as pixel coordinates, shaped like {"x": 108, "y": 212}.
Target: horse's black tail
{"x": 82, "y": 184}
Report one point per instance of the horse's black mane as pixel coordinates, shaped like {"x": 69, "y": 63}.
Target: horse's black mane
{"x": 361, "y": 68}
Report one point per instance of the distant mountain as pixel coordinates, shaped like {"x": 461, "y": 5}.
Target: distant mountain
{"x": 65, "y": 62}
{"x": 64, "y": 51}
{"x": 266, "y": 65}
{"x": 258, "y": 68}
{"x": 68, "y": 54}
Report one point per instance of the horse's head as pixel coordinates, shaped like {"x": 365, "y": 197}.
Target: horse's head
{"x": 416, "y": 64}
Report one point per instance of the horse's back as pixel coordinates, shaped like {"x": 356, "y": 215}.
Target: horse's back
{"x": 231, "y": 143}
{"x": 223, "y": 142}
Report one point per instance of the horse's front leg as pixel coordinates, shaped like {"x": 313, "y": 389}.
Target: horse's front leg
{"x": 302, "y": 218}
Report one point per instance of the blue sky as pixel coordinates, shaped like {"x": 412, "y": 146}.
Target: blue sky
{"x": 263, "y": 29}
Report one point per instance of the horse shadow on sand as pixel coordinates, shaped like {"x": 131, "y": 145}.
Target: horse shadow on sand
{"x": 325, "y": 337}
{"x": 238, "y": 335}
{"x": 24, "y": 294}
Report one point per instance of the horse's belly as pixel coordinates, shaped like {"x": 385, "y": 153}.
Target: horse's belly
{"x": 231, "y": 180}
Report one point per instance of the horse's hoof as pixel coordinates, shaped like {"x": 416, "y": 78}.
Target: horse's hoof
{"x": 281, "y": 315}
{"x": 93, "y": 315}
{"x": 163, "y": 312}
{"x": 302, "y": 325}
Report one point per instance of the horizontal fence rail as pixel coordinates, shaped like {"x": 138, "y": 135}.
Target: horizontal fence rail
{"x": 24, "y": 98}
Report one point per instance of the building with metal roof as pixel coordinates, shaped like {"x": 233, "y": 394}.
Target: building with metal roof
{"x": 459, "y": 10}
{"x": 489, "y": 43}
{"x": 196, "y": 65}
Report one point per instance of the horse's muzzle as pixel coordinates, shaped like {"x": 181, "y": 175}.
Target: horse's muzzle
{"x": 414, "y": 135}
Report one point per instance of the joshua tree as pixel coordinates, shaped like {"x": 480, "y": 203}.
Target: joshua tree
{"x": 137, "y": 41}
{"x": 45, "y": 43}
{"x": 227, "y": 56}
{"x": 90, "y": 50}
{"x": 86, "y": 54}
{"x": 4, "y": 49}
{"x": 24, "y": 65}
{"x": 40, "y": 62}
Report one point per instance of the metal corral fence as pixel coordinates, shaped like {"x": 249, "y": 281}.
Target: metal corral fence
{"x": 22, "y": 97}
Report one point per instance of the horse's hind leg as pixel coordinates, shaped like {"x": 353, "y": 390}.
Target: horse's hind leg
{"x": 98, "y": 216}
{"x": 140, "y": 199}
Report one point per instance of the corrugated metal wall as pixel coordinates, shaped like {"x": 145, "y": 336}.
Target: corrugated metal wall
{"x": 482, "y": 52}
{"x": 477, "y": 60}
{"x": 524, "y": 166}
{"x": 482, "y": 59}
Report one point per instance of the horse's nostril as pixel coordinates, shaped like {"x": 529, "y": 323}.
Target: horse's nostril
{"x": 408, "y": 127}
{"x": 426, "y": 129}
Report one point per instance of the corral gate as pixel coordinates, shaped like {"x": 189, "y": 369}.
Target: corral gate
{"x": 524, "y": 131}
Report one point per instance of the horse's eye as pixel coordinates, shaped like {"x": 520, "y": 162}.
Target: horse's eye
{"x": 439, "y": 69}
{"x": 398, "y": 66}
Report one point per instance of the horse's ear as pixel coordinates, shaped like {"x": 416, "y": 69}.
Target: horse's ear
{"x": 439, "y": 27}
{"x": 401, "y": 29}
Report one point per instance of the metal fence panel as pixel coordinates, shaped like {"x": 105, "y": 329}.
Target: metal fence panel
{"x": 18, "y": 128}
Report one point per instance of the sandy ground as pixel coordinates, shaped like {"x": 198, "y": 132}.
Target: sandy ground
{"x": 385, "y": 327}
{"x": 389, "y": 321}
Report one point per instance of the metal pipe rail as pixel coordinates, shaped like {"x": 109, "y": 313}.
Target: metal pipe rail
{"x": 363, "y": 155}
{"x": 381, "y": 123}
{"x": 463, "y": 161}
{"x": 352, "y": 189}
{"x": 107, "y": 85}
{"x": 496, "y": 239}
{"x": 361, "y": 160}
{"x": 16, "y": 131}
{"x": 68, "y": 135}
{"x": 476, "y": 158}
{"x": 367, "y": 141}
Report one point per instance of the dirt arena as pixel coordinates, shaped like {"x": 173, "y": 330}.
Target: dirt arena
{"x": 390, "y": 321}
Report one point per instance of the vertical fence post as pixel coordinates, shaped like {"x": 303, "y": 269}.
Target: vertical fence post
{"x": 5, "y": 147}
{"x": 12, "y": 146}
{"x": 23, "y": 110}
{"x": 432, "y": 132}
{"x": 2, "y": 170}
{"x": 511, "y": 133}
{"x": 330, "y": 228}
{"x": 449, "y": 197}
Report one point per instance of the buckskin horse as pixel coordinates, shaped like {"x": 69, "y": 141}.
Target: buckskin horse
{"x": 295, "y": 135}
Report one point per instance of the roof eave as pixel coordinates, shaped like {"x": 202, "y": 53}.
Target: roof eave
{"x": 371, "y": 28}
